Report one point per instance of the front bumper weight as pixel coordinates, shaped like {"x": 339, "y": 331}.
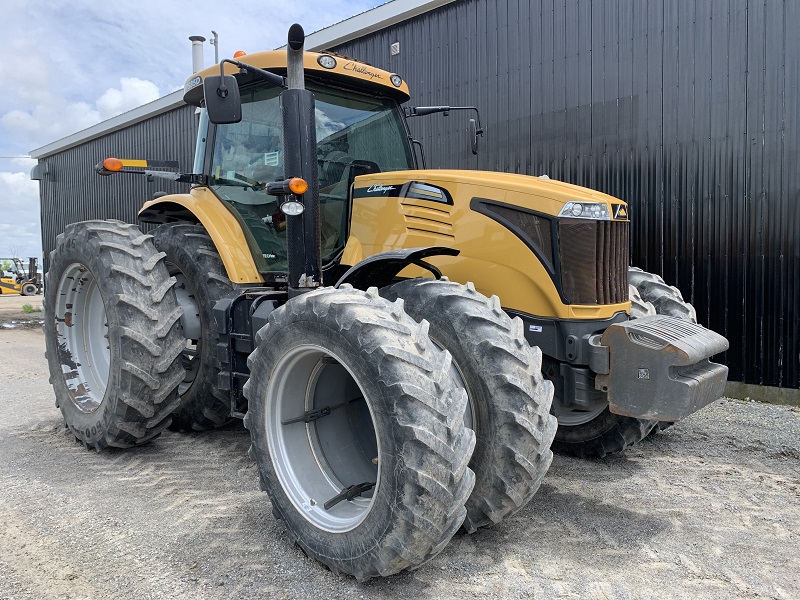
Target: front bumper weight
{"x": 658, "y": 367}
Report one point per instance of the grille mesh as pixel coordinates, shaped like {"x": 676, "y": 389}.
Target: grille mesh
{"x": 594, "y": 260}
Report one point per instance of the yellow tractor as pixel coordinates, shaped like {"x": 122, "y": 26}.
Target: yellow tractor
{"x": 15, "y": 279}
{"x": 381, "y": 328}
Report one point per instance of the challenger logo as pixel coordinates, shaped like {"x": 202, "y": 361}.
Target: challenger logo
{"x": 376, "y": 190}
{"x": 351, "y": 66}
{"x": 621, "y": 212}
{"x": 414, "y": 190}
{"x": 380, "y": 189}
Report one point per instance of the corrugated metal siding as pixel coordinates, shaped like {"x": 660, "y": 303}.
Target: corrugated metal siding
{"x": 687, "y": 110}
{"x": 72, "y": 191}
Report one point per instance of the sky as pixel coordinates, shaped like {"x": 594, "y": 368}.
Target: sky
{"x": 65, "y": 66}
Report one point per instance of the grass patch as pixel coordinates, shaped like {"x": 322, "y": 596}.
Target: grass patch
{"x": 28, "y": 309}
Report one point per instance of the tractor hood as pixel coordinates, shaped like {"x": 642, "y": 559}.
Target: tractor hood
{"x": 544, "y": 243}
{"x": 538, "y": 194}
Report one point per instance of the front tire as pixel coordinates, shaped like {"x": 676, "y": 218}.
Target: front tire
{"x": 594, "y": 434}
{"x": 388, "y": 415}
{"x": 28, "y": 289}
{"x": 201, "y": 280}
{"x": 509, "y": 400}
{"x": 112, "y": 334}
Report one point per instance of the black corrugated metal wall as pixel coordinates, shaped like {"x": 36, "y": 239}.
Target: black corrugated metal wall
{"x": 686, "y": 109}
{"x": 72, "y": 191}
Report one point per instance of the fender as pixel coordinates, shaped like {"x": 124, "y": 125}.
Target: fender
{"x": 201, "y": 206}
{"x": 380, "y": 269}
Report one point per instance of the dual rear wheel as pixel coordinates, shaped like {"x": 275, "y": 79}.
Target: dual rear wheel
{"x": 358, "y": 432}
{"x": 362, "y": 410}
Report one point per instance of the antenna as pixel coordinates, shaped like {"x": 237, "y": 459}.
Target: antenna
{"x": 215, "y": 42}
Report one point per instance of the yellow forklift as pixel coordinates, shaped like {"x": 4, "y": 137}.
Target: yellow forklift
{"x": 15, "y": 279}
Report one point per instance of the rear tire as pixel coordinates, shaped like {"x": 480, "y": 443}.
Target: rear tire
{"x": 112, "y": 334}
{"x": 201, "y": 280}
{"x": 509, "y": 400}
{"x": 396, "y": 420}
{"x": 607, "y": 432}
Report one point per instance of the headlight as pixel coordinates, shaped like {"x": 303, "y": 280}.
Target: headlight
{"x": 326, "y": 61}
{"x": 396, "y": 80}
{"x": 292, "y": 208}
{"x": 586, "y": 210}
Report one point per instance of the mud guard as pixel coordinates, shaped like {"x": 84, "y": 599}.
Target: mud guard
{"x": 379, "y": 270}
{"x": 658, "y": 367}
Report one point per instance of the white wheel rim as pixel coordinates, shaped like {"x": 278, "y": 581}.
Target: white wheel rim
{"x": 82, "y": 330}
{"x": 315, "y": 461}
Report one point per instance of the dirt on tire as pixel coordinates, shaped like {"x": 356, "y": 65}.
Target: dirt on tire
{"x": 112, "y": 334}
{"x": 192, "y": 258}
{"x": 503, "y": 379}
{"x": 400, "y": 381}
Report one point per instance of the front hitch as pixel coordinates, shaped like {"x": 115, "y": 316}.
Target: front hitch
{"x": 658, "y": 367}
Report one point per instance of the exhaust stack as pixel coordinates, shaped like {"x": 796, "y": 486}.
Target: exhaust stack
{"x": 300, "y": 158}
{"x": 197, "y": 52}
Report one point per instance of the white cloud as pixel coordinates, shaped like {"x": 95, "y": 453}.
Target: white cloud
{"x": 23, "y": 162}
{"x": 53, "y": 122}
{"x": 65, "y": 66}
{"x": 132, "y": 92}
{"x": 20, "y": 231}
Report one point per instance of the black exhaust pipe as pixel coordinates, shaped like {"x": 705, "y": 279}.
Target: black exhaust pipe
{"x": 300, "y": 160}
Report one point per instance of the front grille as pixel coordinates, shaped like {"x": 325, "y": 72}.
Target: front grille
{"x": 594, "y": 260}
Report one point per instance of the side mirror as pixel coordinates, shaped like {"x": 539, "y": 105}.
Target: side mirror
{"x": 223, "y": 102}
{"x": 473, "y": 135}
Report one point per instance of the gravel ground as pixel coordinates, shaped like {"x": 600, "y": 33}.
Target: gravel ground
{"x": 707, "y": 509}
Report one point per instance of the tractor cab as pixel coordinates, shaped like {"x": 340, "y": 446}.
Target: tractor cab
{"x": 356, "y": 134}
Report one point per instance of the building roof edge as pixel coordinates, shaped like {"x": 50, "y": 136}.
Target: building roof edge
{"x": 126, "y": 119}
{"x": 370, "y": 21}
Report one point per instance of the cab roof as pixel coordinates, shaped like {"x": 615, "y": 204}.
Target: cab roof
{"x": 347, "y": 72}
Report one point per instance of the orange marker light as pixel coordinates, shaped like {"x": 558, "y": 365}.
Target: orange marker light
{"x": 112, "y": 164}
{"x": 239, "y": 53}
{"x": 298, "y": 185}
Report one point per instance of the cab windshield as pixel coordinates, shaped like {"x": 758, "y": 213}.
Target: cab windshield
{"x": 355, "y": 135}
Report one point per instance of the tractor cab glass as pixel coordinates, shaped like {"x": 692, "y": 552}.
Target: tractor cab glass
{"x": 355, "y": 135}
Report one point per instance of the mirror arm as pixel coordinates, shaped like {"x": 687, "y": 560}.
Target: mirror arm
{"x": 421, "y": 111}
{"x": 244, "y": 68}
{"x": 151, "y": 174}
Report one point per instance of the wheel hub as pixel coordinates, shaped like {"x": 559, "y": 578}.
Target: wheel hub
{"x": 192, "y": 328}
